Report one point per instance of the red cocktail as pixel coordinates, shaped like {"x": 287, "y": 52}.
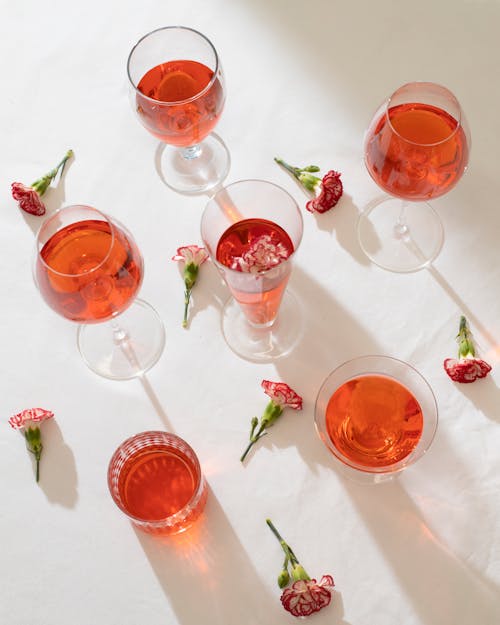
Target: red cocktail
{"x": 376, "y": 414}
{"x": 177, "y": 91}
{"x": 252, "y": 230}
{"x": 155, "y": 479}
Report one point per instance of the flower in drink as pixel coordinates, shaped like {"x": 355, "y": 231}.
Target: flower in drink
{"x": 191, "y": 256}
{"x": 305, "y": 595}
{"x": 282, "y": 396}
{"x": 467, "y": 368}
{"x": 28, "y": 422}
{"x": 328, "y": 190}
{"x": 29, "y": 197}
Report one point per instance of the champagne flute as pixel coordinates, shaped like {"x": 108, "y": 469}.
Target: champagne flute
{"x": 252, "y": 230}
{"x": 416, "y": 148}
{"x": 177, "y": 90}
{"x": 89, "y": 269}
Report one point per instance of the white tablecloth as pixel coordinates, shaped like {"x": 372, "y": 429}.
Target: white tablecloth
{"x": 303, "y": 80}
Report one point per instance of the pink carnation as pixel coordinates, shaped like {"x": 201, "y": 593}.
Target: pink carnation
{"x": 466, "y": 370}
{"x": 29, "y": 416}
{"x": 191, "y": 254}
{"x": 282, "y": 394}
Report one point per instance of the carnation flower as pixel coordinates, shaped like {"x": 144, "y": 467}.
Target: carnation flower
{"x": 327, "y": 190}
{"x": 262, "y": 254}
{"x": 305, "y": 596}
{"x": 282, "y": 396}
{"x": 28, "y": 421}
{"x": 29, "y": 197}
{"x": 191, "y": 256}
{"x": 467, "y": 368}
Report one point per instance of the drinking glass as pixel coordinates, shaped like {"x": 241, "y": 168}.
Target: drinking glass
{"x": 156, "y": 480}
{"x": 89, "y": 269}
{"x": 416, "y": 148}
{"x": 377, "y": 415}
{"x": 255, "y": 219}
{"x": 177, "y": 90}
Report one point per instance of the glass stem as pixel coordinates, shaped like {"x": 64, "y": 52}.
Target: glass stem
{"x": 191, "y": 152}
{"x": 121, "y": 338}
{"x": 401, "y": 230}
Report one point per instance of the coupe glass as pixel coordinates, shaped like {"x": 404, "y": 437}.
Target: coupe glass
{"x": 156, "y": 480}
{"x": 261, "y": 322}
{"x": 177, "y": 90}
{"x": 416, "y": 148}
{"x": 377, "y": 415}
{"x": 89, "y": 269}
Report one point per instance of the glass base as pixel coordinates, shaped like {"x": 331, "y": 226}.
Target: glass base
{"x": 263, "y": 344}
{"x": 397, "y": 246}
{"x": 197, "y": 169}
{"x": 124, "y": 347}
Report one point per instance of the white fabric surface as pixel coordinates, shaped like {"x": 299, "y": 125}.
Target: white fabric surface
{"x": 303, "y": 80}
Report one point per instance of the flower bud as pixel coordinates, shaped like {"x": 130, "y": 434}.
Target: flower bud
{"x": 298, "y": 572}
{"x": 283, "y": 579}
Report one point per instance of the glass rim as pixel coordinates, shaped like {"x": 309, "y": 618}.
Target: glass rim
{"x": 430, "y": 84}
{"x": 175, "y": 102}
{"x": 63, "y": 209}
{"x": 415, "y": 453}
{"x": 196, "y": 489}
{"x": 225, "y": 268}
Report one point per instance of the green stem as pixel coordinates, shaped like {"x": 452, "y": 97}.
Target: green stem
{"x": 295, "y": 171}
{"x": 253, "y": 440}
{"x": 187, "y": 297}
{"x": 284, "y": 545}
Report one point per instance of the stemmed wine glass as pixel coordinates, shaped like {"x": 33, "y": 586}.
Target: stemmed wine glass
{"x": 416, "y": 148}
{"x": 252, "y": 230}
{"x": 177, "y": 90}
{"x": 89, "y": 269}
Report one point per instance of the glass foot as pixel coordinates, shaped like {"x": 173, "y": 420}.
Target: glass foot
{"x": 397, "y": 246}
{"x": 124, "y": 347}
{"x": 197, "y": 169}
{"x": 263, "y": 344}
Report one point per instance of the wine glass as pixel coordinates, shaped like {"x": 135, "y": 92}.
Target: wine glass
{"x": 89, "y": 269}
{"x": 252, "y": 230}
{"x": 177, "y": 91}
{"x": 377, "y": 415}
{"x": 416, "y": 148}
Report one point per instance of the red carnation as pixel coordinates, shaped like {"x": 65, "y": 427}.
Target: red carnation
{"x": 467, "y": 368}
{"x": 330, "y": 194}
{"x": 29, "y": 197}
{"x": 28, "y": 421}
{"x": 330, "y": 187}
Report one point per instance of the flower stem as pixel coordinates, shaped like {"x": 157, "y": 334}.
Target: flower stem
{"x": 253, "y": 440}
{"x": 187, "y": 297}
{"x": 295, "y": 171}
{"x": 284, "y": 545}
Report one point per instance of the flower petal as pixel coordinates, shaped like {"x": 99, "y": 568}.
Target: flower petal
{"x": 28, "y": 198}
{"x": 191, "y": 254}
{"x": 331, "y": 192}
{"x": 30, "y": 415}
{"x": 305, "y": 597}
{"x": 282, "y": 394}
{"x": 466, "y": 370}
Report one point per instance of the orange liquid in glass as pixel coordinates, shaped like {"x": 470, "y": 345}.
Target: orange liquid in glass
{"x": 90, "y": 273}
{"x": 258, "y": 295}
{"x": 420, "y": 154}
{"x": 187, "y": 119}
{"x": 374, "y": 420}
{"x": 156, "y": 484}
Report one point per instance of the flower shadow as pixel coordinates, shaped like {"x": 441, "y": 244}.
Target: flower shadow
{"x": 58, "y": 477}
{"x": 484, "y": 394}
{"x": 206, "y": 575}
